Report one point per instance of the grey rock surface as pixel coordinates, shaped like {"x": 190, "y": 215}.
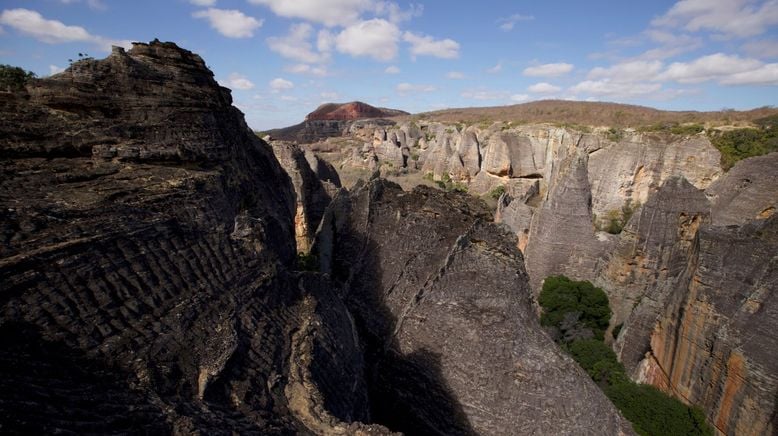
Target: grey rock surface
{"x": 748, "y": 191}
{"x": 453, "y": 342}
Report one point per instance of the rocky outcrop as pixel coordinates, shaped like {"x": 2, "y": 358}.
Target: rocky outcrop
{"x": 312, "y": 194}
{"x": 145, "y": 233}
{"x": 452, "y": 341}
{"x": 748, "y": 191}
{"x": 653, "y": 249}
{"x": 714, "y": 344}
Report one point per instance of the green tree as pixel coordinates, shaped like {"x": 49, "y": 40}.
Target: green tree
{"x": 561, "y": 296}
{"x": 13, "y": 78}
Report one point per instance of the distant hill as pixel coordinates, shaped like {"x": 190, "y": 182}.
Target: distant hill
{"x": 355, "y": 110}
{"x": 592, "y": 114}
{"x": 331, "y": 119}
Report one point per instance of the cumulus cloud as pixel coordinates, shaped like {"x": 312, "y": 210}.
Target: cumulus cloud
{"x": 766, "y": 48}
{"x": 376, "y": 38}
{"x": 31, "y": 23}
{"x": 711, "y": 67}
{"x": 730, "y": 18}
{"x": 230, "y": 22}
{"x": 548, "y": 70}
{"x": 543, "y": 88}
{"x": 312, "y": 70}
{"x": 94, "y": 4}
{"x": 329, "y": 95}
{"x": 495, "y": 69}
{"x": 328, "y": 12}
{"x": 615, "y": 90}
{"x": 423, "y": 45}
{"x": 507, "y": 23}
{"x": 203, "y": 2}
{"x": 764, "y": 75}
{"x": 407, "y": 88}
{"x": 395, "y": 13}
{"x": 239, "y": 81}
{"x": 455, "y": 75}
{"x": 296, "y": 45}
{"x": 278, "y": 84}
{"x": 53, "y": 69}
{"x": 392, "y": 69}
{"x": 485, "y": 94}
{"x": 625, "y": 72}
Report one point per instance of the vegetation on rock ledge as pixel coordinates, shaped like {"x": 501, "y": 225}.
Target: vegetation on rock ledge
{"x": 569, "y": 306}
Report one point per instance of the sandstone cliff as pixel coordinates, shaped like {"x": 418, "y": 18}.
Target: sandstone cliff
{"x": 149, "y": 280}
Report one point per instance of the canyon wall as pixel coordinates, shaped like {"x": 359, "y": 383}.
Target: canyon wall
{"x": 151, "y": 283}
{"x": 683, "y": 249}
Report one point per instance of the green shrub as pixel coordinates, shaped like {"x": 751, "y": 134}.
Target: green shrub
{"x": 307, "y": 262}
{"x": 497, "y": 191}
{"x": 739, "y": 144}
{"x": 615, "y": 135}
{"x": 686, "y": 129}
{"x": 561, "y": 296}
{"x": 13, "y": 78}
{"x": 650, "y": 411}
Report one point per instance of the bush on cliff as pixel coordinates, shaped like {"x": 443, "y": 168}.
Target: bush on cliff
{"x": 561, "y": 296}
{"x": 650, "y": 411}
{"x": 13, "y": 78}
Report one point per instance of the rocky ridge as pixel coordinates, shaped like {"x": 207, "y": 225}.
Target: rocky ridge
{"x": 627, "y": 210}
{"x": 150, "y": 282}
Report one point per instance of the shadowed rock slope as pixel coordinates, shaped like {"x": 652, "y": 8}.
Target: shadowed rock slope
{"x": 452, "y": 340}
{"x": 147, "y": 262}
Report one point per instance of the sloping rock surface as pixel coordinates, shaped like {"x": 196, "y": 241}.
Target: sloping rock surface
{"x": 453, "y": 343}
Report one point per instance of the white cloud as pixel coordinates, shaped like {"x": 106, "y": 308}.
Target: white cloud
{"x": 455, "y": 75}
{"x": 239, "y": 81}
{"x": 329, "y": 95}
{"x": 312, "y": 70}
{"x": 296, "y": 45}
{"x": 53, "y": 69}
{"x": 395, "y": 13}
{"x": 730, "y": 18}
{"x": 94, "y": 4}
{"x": 325, "y": 40}
{"x": 507, "y": 23}
{"x": 711, "y": 67}
{"x": 392, "y": 69}
{"x": 764, "y": 75}
{"x": 422, "y": 45}
{"x": 376, "y": 38}
{"x": 543, "y": 88}
{"x": 485, "y": 94}
{"x": 763, "y": 48}
{"x": 203, "y": 2}
{"x": 33, "y": 24}
{"x": 495, "y": 69}
{"x": 407, "y": 88}
{"x": 230, "y": 22}
{"x": 278, "y": 84}
{"x": 631, "y": 71}
{"x": 548, "y": 70}
{"x": 328, "y": 12}
{"x": 614, "y": 90}
{"x": 519, "y": 97}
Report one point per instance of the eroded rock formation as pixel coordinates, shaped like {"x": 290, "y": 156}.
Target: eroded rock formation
{"x": 149, "y": 284}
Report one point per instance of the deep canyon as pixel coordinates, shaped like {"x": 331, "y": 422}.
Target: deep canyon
{"x": 165, "y": 270}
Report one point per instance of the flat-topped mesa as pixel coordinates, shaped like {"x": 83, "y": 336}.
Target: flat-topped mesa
{"x": 355, "y": 110}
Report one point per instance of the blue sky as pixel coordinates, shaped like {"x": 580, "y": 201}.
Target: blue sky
{"x": 282, "y": 58}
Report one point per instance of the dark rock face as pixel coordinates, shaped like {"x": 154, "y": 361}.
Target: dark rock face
{"x": 453, "y": 344}
{"x": 144, "y": 233}
{"x": 147, "y": 244}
